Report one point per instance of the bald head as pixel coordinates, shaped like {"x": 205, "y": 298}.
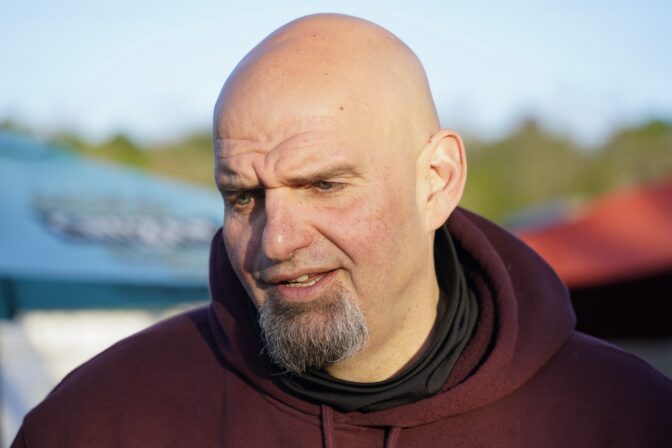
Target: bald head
{"x": 329, "y": 62}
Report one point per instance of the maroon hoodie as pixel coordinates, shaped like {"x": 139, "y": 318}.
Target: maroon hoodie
{"x": 526, "y": 378}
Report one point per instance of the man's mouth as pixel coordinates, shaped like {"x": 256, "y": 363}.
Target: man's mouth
{"x": 304, "y": 281}
{"x": 301, "y": 286}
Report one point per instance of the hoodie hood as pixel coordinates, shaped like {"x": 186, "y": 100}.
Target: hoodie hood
{"x": 532, "y": 319}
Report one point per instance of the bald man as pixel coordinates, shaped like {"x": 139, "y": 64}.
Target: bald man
{"x": 353, "y": 302}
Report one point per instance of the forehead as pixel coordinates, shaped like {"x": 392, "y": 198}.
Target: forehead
{"x": 271, "y": 123}
{"x": 293, "y": 149}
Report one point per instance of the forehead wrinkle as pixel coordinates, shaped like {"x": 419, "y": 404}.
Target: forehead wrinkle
{"x": 270, "y": 132}
{"x": 233, "y": 172}
{"x": 307, "y": 162}
{"x": 250, "y": 167}
{"x": 231, "y": 155}
{"x": 226, "y": 148}
{"x": 298, "y": 149}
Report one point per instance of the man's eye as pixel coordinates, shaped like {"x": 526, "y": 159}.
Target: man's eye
{"x": 242, "y": 199}
{"x": 239, "y": 200}
{"x": 325, "y": 185}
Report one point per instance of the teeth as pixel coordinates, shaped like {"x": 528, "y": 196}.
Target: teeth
{"x": 299, "y": 282}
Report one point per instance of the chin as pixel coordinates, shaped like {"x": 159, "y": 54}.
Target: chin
{"x": 300, "y": 336}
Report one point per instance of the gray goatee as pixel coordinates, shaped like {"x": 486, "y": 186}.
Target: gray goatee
{"x": 312, "y": 335}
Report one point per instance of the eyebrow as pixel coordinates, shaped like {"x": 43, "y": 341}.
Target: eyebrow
{"x": 322, "y": 173}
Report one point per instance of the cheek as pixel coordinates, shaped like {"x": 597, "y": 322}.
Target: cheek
{"x": 239, "y": 243}
{"x": 241, "y": 247}
{"x": 369, "y": 231}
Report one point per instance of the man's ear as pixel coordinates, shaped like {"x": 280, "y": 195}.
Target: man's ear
{"x": 442, "y": 174}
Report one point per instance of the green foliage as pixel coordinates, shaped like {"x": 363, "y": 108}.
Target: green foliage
{"x": 639, "y": 153}
{"x": 530, "y": 167}
{"x": 188, "y": 159}
{"x": 12, "y": 126}
{"x": 122, "y": 149}
{"x": 527, "y": 168}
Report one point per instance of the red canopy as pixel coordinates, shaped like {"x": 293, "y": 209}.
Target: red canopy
{"x": 625, "y": 235}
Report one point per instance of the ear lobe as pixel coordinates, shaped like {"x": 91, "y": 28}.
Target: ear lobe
{"x": 446, "y": 173}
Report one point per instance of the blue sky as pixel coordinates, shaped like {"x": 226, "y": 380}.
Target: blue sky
{"x": 154, "y": 68}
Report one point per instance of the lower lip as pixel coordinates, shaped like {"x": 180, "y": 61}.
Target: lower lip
{"x": 305, "y": 293}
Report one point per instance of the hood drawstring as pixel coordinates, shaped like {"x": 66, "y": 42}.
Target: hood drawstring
{"x": 327, "y": 423}
{"x": 392, "y": 436}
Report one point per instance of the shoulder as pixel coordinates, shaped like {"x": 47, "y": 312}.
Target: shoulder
{"x": 605, "y": 372}
{"x": 158, "y": 350}
{"x": 595, "y": 392}
{"x": 612, "y": 366}
{"x": 610, "y": 391}
{"x": 135, "y": 384}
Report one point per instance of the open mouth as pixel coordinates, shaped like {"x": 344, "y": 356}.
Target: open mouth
{"x": 304, "y": 281}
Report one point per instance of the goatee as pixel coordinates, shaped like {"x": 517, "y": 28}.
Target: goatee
{"x": 312, "y": 335}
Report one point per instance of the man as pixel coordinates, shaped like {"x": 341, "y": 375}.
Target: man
{"x": 353, "y": 303}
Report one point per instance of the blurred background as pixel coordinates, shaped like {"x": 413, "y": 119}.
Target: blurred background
{"x": 107, "y": 202}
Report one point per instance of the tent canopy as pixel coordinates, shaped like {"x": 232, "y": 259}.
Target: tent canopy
{"x": 76, "y": 232}
{"x": 625, "y": 235}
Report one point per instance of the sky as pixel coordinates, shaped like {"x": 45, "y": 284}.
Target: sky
{"x": 153, "y": 69}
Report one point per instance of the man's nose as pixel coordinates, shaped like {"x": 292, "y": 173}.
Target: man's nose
{"x": 285, "y": 230}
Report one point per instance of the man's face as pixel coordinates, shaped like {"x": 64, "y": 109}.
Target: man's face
{"x": 321, "y": 203}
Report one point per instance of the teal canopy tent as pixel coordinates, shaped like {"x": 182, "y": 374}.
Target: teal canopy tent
{"x": 75, "y": 233}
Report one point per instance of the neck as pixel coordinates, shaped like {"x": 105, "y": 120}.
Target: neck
{"x": 389, "y": 352}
